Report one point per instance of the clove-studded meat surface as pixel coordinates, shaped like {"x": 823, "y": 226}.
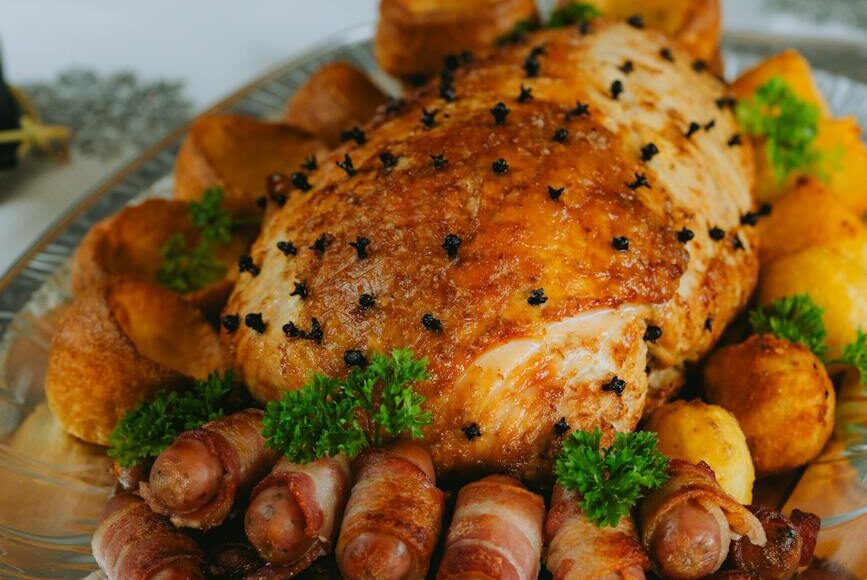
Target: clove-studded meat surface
{"x": 546, "y": 225}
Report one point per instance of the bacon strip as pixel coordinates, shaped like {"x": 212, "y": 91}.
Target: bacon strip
{"x": 496, "y": 531}
{"x": 693, "y": 489}
{"x": 233, "y": 442}
{"x": 317, "y": 492}
{"x": 134, "y": 543}
{"x": 580, "y": 550}
{"x": 393, "y": 517}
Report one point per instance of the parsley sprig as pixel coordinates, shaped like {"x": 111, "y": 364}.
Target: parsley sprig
{"x": 147, "y": 429}
{"x": 612, "y": 479}
{"x": 328, "y": 416}
{"x": 855, "y": 355}
{"x": 788, "y": 124}
{"x": 185, "y": 268}
{"x": 794, "y": 318}
{"x": 566, "y": 15}
{"x": 799, "y": 319}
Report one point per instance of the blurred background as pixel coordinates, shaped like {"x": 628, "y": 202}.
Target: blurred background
{"x": 122, "y": 74}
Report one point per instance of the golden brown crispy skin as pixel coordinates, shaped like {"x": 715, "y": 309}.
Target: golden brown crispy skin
{"x": 238, "y": 153}
{"x": 580, "y": 550}
{"x": 780, "y": 394}
{"x": 513, "y": 368}
{"x": 116, "y": 346}
{"x": 129, "y": 242}
{"x": 413, "y": 36}
{"x": 697, "y": 24}
{"x": 336, "y": 97}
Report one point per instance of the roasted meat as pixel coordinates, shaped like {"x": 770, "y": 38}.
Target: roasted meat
{"x": 547, "y": 225}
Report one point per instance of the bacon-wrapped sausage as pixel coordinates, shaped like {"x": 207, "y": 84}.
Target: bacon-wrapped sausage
{"x": 393, "y": 517}
{"x": 230, "y": 555}
{"x": 129, "y": 478}
{"x": 688, "y": 523}
{"x": 196, "y": 480}
{"x": 134, "y": 543}
{"x": 578, "y": 549}
{"x": 789, "y": 545}
{"x": 496, "y": 532}
{"x": 295, "y": 511}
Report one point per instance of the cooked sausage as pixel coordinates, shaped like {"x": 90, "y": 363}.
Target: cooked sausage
{"x": 293, "y": 514}
{"x": 688, "y": 523}
{"x": 781, "y": 556}
{"x": 496, "y": 532}
{"x": 196, "y": 480}
{"x": 578, "y": 549}
{"x": 393, "y": 516}
{"x": 134, "y": 543}
{"x": 128, "y": 478}
{"x": 230, "y": 555}
{"x": 688, "y": 542}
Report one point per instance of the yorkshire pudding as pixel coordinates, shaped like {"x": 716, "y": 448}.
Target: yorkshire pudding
{"x": 117, "y": 345}
{"x": 335, "y": 98}
{"x": 129, "y": 242}
{"x": 238, "y": 153}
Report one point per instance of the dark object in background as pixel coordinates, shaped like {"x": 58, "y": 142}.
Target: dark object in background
{"x": 10, "y": 115}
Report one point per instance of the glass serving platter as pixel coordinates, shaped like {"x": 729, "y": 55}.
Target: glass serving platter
{"x": 53, "y": 487}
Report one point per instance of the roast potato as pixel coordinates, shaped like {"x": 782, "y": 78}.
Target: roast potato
{"x": 845, "y": 165}
{"x": 808, "y": 215}
{"x": 414, "y": 36}
{"x": 695, "y": 23}
{"x": 695, "y": 431}
{"x": 833, "y": 281}
{"x": 795, "y": 70}
{"x": 335, "y": 98}
{"x": 780, "y": 394}
{"x": 117, "y": 345}
{"x": 238, "y": 153}
{"x": 129, "y": 242}
{"x": 792, "y": 68}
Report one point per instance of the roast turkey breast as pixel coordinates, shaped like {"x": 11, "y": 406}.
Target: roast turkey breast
{"x": 556, "y": 226}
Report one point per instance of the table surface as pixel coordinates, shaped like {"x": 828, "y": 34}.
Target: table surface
{"x": 214, "y": 47}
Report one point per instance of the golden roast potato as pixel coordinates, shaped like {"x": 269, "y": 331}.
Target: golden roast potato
{"x": 695, "y": 431}
{"x": 833, "y": 281}
{"x": 808, "y": 215}
{"x": 845, "y": 163}
{"x": 780, "y": 394}
{"x": 335, "y": 98}
{"x": 238, "y": 153}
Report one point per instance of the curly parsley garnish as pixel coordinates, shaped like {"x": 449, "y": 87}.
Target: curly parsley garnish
{"x": 794, "y": 318}
{"x": 566, "y": 15}
{"x": 612, "y": 479}
{"x": 184, "y": 268}
{"x": 328, "y": 416}
{"x": 788, "y": 124}
{"x": 147, "y": 429}
{"x": 855, "y": 355}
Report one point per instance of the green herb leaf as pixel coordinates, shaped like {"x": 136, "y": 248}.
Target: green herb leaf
{"x": 147, "y": 429}
{"x": 369, "y": 406}
{"x": 855, "y": 355}
{"x": 794, "y": 318}
{"x": 186, "y": 269}
{"x": 613, "y": 479}
{"x": 571, "y": 13}
{"x": 788, "y": 124}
